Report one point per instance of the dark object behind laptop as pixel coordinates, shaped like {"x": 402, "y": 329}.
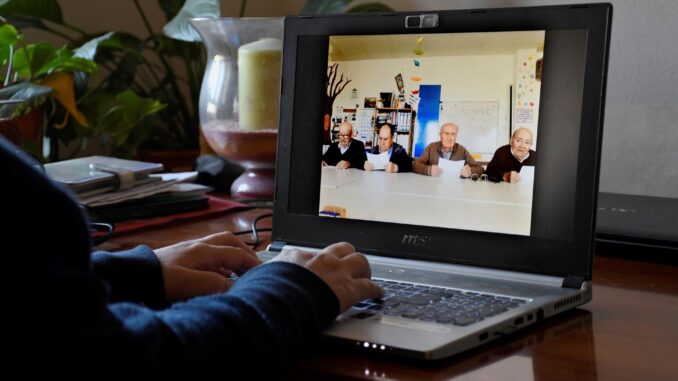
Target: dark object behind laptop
{"x": 638, "y": 226}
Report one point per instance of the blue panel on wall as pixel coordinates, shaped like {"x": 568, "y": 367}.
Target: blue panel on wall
{"x": 427, "y": 114}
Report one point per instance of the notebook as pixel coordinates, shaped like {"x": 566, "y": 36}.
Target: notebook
{"x": 641, "y": 223}
{"x": 464, "y": 261}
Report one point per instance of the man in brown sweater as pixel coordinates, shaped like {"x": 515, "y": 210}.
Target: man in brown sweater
{"x": 446, "y": 148}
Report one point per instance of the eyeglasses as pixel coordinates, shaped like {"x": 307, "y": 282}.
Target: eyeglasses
{"x": 524, "y": 141}
{"x": 344, "y": 135}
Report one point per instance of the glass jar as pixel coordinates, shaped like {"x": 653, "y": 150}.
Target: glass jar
{"x": 240, "y": 97}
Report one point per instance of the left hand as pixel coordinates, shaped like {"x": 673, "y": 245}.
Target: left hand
{"x": 343, "y": 164}
{"x": 466, "y": 171}
{"x": 391, "y": 167}
{"x": 202, "y": 266}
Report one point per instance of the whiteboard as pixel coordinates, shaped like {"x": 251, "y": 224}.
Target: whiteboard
{"x": 478, "y": 124}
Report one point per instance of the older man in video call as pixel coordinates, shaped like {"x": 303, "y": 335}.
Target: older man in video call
{"x": 446, "y": 148}
{"x": 399, "y": 160}
{"x": 347, "y": 152}
{"x": 509, "y": 159}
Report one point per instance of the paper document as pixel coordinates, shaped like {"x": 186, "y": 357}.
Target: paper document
{"x": 450, "y": 168}
{"x": 379, "y": 161}
{"x": 527, "y": 174}
{"x": 168, "y": 183}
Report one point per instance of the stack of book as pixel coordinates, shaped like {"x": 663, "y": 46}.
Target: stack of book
{"x": 115, "y": 190}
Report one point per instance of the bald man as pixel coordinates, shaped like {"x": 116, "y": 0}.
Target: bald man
{"x": 446, "y": 148}
{"x": 509, "y": 159}
{"x": 347, "y": 152}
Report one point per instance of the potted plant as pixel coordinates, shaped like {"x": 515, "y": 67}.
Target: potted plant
{"x": 126, "y": 104}
{"x": 47, "y": 90}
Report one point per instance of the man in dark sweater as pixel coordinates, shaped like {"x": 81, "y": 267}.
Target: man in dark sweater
{"x": 509, "y": 159}
{"x": 398, "y": 159}
{"x": 347, "y": 152}
{"x": 139, "y": 313}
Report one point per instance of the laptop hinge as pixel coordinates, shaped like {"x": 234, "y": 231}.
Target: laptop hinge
{"x": 573, "y": 282}
{"x": 276, "y": 246}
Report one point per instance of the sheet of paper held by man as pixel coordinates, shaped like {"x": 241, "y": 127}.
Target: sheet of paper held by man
{"x": 527, "y": 174}
{"x": 379, "y": 161}
{"x": 450, "y": 168}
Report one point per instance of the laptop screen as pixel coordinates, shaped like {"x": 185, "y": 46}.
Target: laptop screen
{"x": 473, "y": 142}
{"x": 433, "y": 129}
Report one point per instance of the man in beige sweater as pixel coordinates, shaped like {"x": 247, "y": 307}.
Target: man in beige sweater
{"x": 446, "y": 148}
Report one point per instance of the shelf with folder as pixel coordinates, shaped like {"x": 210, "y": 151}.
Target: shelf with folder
{"x": 402, "y": 120}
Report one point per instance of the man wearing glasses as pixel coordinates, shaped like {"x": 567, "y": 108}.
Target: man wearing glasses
{"x": 509, "y": 159}
{"x": 347, "y": 152}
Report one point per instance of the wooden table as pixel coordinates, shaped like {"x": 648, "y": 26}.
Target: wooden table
{"x": 628, "y": 332}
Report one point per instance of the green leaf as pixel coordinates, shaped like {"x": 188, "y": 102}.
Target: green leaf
{"x": 45, "y": 9}
{"x": 8, "y": 39}
{"x": 64, "y": 61}
{"x": 312, "y": 7}
{"x": 33, "y": 58}
{"x": 8, "y": 35}
{"x": 370, "y": 7}
{"x": 89, "y": 49}
{"x": 23, "y": 96}
{"x": 121, "y": 119}
{"x": 179, "y": 28}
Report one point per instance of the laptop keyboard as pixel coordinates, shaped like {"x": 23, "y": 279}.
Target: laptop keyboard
{"x": 434, "y": 304}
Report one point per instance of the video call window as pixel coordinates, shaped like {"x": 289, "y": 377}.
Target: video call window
{"x": 433, "y": 130}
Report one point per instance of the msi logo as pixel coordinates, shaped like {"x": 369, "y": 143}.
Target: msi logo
{"x": 416, "y": 240}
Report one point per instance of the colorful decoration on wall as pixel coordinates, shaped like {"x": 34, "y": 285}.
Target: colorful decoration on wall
{"x": 416, "y": 78}
{"x": 417, "y": 63}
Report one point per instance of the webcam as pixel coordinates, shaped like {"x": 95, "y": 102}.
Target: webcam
{"x": 421, "y": 21}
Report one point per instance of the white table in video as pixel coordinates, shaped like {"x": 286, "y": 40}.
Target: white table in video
{"x": 446, "y": 201}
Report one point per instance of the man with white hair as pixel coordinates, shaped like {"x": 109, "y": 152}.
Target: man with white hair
{"x": 509, "y": 159}
{"x": 446, "y": 148}
{"x": 346, "y": 152}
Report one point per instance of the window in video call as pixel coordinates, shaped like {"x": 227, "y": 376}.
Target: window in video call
{"x": 434, "y": 130}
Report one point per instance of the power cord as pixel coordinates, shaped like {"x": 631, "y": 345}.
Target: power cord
{"x": 255, "y": 231}
{"x": 100, "y": 232}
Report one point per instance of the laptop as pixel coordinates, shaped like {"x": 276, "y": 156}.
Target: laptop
{"x": 463, "y": 261}
{"x": 635, "y": 221}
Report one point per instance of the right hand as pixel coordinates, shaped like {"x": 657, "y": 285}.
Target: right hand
{"x": 346, "y": 272}
{"x": 513, "y": 177}
{"x": 343, "y": 164}
{"x": 436, "y": 171}
{"x": 368, "y": 166}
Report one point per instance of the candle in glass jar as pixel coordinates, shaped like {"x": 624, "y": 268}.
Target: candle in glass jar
{"x": 259, "y": 84}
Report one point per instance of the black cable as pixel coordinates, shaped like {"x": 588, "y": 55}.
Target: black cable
{"x": 255, "y": 231}
{"x": 100, "y": 232}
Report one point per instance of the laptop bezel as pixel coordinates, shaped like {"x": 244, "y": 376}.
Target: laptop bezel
{"x": 568, "y": 258}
